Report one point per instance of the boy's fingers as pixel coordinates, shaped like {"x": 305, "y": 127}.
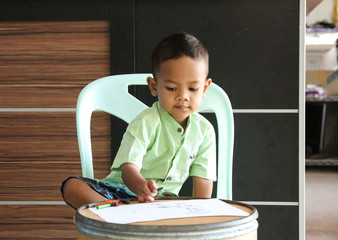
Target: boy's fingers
{"x": 150, "y": 199}
{"x": 145, "y": 198}
{"x": 150, "y": 193}
{"x": 141, "y": 198}
{"x": 152, "y": 186}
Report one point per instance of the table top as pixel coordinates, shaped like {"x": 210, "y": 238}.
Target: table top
{"x": 184, "y": 221}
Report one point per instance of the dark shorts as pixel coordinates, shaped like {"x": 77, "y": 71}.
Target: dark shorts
{"x": 106, "y": 189}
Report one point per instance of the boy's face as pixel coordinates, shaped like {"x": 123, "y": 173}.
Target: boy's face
{"x": 180, "y": 85}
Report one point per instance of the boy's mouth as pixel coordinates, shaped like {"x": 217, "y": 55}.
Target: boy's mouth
{"x": 181, "y": 107}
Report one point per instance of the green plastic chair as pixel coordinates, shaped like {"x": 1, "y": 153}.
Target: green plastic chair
{"x": 110, "y": 94}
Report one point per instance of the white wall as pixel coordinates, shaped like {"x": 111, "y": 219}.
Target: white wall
{"x": 323, "y": 12}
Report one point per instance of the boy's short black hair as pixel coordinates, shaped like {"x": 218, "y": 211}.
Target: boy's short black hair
{"x": 176, "y": 46}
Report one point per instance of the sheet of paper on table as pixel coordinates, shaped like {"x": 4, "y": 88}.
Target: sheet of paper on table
{"x": 124, "y": 214}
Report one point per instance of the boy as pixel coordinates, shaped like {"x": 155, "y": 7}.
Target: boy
{"x": 166, "y": 143}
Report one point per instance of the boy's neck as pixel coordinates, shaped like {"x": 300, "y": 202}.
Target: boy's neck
{"x": 184, "y": 124}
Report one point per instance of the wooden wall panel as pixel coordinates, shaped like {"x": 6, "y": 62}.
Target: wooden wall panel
{"x": 39, "y": 149}
{"x": 37, "y": 222}
{"x": 53, "y": 134}
{"x": 46, "y": 64}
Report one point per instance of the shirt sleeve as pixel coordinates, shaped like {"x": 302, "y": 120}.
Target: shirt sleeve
{"x": 204, "y": 165}
{"x": 134, "y": 144}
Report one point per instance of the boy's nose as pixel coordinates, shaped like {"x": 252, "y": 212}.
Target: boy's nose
{"x": 183, "y": 95}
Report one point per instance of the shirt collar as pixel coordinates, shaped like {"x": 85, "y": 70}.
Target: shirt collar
{"x": 165, "y": 116}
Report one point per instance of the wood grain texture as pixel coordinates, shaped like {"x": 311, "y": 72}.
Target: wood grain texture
{"x": 46, "y": 64}
{"x": 37, "y": 222}
{"x": 38, "y": 150}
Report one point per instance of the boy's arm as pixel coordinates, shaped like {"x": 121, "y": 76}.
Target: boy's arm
{"x": 202, "y": 187}
{"x": 146, "y": 190}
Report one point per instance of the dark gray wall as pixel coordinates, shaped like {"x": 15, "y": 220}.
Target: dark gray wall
{"x": 254, "y": 55}
{"x": 254, "y": 48}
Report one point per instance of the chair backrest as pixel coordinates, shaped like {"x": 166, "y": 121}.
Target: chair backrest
{"x": 110, "y": 94}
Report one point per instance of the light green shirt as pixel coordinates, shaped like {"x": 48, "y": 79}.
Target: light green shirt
{"x": 164, "y": 152}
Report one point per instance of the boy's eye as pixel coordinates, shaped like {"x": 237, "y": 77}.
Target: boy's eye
{"x": 193, "y": 89}
{"x": 171, "y": 88}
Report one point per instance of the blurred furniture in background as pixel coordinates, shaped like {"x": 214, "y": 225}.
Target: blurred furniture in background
{"x": 322, "y": 131}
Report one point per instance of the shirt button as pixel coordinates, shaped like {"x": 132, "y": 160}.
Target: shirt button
{"x": 168, "y": 178}
{"x": 179, "y": 130}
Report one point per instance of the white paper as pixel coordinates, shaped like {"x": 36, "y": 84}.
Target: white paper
{"x": 124, "y": 214}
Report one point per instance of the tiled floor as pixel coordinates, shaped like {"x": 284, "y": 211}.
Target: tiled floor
{"x": 321, "y": 203}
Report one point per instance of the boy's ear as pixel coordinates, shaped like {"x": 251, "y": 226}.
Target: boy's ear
{"x": 206, "y": 86}
{"x": 152, "y": 86}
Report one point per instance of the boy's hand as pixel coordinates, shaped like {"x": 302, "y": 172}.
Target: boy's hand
{"x": 148, "y": 191}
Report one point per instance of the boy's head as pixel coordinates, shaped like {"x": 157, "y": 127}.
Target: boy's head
{"x": 180, "y": 69}
{"x": 176, "y": 46}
